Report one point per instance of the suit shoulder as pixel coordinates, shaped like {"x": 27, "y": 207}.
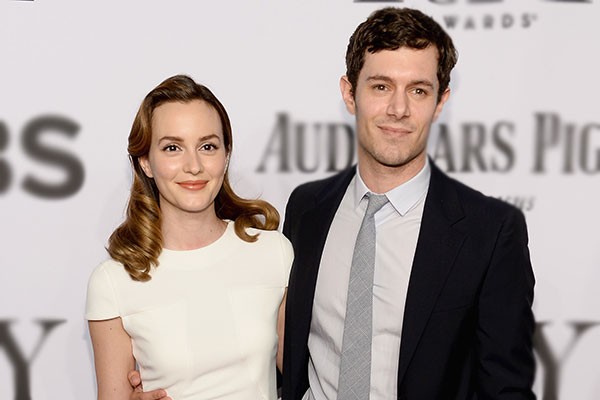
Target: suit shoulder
{"x": 312, "y": 189}
{"x": 476, "y": 202}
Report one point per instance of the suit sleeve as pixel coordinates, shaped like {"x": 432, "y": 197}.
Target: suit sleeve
{"x": 292, "y": 210}
{"x": 287, "y": 257}
{"x": 287, "y": 224}
{"x": 506, "y": 364}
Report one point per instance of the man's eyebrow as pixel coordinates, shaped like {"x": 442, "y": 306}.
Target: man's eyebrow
{"x": 379, "y": 78}
{"x": 422, "y": 82}
{"x": 387, "y": 79}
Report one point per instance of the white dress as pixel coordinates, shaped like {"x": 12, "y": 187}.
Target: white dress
{"x": 204, "y": 326}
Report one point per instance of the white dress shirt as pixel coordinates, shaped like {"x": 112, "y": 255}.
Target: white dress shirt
{"x": 397, "y": 225}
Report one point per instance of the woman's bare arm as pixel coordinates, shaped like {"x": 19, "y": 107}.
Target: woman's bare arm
{"x": 113, "y": 358}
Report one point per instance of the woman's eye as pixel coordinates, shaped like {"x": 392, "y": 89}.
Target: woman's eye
{"x": 170, "y": 147}
{"x": 208, "y": 147}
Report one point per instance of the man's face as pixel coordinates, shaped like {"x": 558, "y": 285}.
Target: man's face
{"x": 395, "y": 102}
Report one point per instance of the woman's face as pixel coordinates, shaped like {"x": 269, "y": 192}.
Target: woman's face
{"x": 187, "y": 157}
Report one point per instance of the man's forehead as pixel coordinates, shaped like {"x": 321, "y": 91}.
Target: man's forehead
{"x": 402, "y": 61}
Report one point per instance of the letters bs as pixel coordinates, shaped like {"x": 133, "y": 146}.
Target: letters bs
{"x": 32, "y": 143}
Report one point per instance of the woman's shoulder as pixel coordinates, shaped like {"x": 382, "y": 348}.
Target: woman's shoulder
{"x": 109, "y": 269}
{"x": 269, "y": 236}
{"x": 272, "y": 240}
{"x": 109, "y": 265}
{"x": 274, "y": 250}
{"x": 102, "y": 297}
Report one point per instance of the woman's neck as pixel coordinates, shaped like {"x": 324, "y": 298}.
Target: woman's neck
{"x": 192, "y": 230}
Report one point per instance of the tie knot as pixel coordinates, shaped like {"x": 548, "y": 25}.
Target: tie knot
{"x": 376, "y": 201}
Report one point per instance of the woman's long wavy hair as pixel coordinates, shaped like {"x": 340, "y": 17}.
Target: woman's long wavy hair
{"x": 137, "y": 242}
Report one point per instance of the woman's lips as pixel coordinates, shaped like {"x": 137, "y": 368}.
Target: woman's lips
{"x": 193, "y": 185}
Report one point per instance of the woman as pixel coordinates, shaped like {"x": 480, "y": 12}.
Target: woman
{"x": 195, "y": 284}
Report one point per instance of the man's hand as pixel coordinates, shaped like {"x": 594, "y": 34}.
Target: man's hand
{"x": 138, "y": 392}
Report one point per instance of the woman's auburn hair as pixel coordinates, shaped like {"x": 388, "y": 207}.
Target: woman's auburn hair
{"x": 137, "y": 242}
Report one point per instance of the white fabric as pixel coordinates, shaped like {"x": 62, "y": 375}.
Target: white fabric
{"x": 397, "y": 224}
{"x": 204, "y": 326}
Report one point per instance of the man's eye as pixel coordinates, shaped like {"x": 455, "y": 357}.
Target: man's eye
{"x": 420, "y": 91}
{"x": 379, "y": 87}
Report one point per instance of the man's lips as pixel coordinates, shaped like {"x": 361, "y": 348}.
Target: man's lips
{"x": 193, "y": 185}
{"x": 395, "y": 130}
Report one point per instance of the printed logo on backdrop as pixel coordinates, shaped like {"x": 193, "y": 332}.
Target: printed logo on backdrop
{"x": 34, "y": 145}
{"x": 551, "y": 358}
{"x": 558, "y": 146}
{"x": 19, "y": 361}
{"x": 490, "y": 20}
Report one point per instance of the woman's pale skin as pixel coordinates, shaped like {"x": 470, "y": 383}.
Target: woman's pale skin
{"x": 187, "y": 160}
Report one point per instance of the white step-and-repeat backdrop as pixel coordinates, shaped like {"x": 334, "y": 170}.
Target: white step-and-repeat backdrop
{"x": 523, "y": 124}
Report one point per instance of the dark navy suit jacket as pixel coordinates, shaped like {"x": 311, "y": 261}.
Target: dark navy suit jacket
{"x": 467, "y": 325}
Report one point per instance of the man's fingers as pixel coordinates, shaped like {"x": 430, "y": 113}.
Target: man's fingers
{"x": 155, "y": 395}
{"x": 135, "y": 380}
{"x": 158, "y": 394}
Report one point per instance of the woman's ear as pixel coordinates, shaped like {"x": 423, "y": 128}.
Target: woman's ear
{"x": 145, "y": 164}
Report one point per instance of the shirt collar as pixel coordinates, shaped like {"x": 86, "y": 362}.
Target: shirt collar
{"x": 402, "y": 197}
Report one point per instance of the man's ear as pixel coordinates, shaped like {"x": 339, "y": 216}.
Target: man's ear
{"x": 347, "y": 94}
{"x": 145, "y": 164}
{"x": 440, "y": 105}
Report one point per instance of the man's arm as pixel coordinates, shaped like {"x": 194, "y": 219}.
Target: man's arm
{"x": 280, "y": 332}
{"x": 506, "y": 364}
{"x": 138, "y": 392}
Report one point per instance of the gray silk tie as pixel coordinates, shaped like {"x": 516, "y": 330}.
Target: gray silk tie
{"x": 355, "y": 365}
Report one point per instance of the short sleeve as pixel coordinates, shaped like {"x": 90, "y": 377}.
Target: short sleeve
{"x": 101, "y": 301}
{"x": 288, "y": 257}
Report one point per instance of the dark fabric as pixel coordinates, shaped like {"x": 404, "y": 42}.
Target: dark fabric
{"x": 468, "y": 325}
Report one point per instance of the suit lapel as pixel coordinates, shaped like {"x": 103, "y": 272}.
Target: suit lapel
{"x": 437, "y": 247}
{"x": 312, "y": 234}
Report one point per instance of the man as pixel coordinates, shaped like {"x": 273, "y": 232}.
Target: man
{"x": 451, "y": 285}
